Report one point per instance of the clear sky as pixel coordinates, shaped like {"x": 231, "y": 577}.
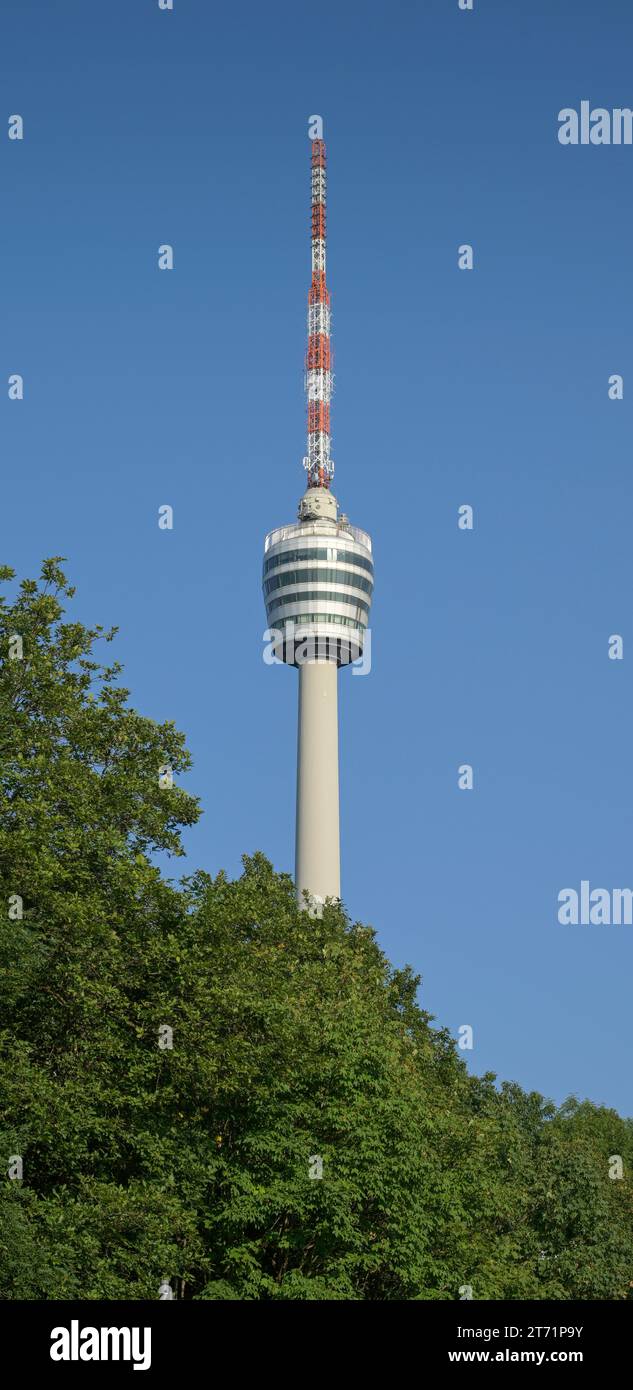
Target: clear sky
{"x": 490, "y": 387}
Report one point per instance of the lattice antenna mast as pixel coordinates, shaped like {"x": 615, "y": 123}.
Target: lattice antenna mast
{"x": 318, "y": 362}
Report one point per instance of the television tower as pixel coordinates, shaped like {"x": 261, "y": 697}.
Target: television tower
{"x": 318, "y": 582}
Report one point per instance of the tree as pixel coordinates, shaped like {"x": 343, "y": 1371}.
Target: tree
{"x": 207, "y": 1086}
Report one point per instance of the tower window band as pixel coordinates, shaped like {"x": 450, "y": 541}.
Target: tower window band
{"x": 316, "y": 576}
{"x": 316, "y": 595}
{"x": 332, "y": 553}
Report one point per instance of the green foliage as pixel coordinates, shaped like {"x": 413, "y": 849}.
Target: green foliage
{"x": 293, "y": 1039}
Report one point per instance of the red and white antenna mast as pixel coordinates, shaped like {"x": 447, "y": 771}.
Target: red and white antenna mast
{"x": 318, "y": 362}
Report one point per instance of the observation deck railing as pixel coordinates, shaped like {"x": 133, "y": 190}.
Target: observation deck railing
{"x": 318, "y": 528}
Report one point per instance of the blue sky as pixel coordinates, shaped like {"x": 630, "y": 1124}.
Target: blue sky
{"x": 490, "y": 388}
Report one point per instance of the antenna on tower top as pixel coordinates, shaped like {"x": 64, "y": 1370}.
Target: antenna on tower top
{"x": 318, "y": 373}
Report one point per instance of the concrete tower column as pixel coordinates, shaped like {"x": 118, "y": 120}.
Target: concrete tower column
{"x": 318, "y": 867}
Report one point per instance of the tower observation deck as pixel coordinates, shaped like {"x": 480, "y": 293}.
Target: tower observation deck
{"x": 318, "y": 581}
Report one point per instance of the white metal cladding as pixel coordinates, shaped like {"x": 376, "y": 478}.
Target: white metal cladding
{"x": 338, "y": 571}
{"x": 319, "y": 449}
{"x": 325, "y": 599}
{"x": 321, "y": 609}
{"x": 315, "y": 576}
{"x": 340, "y": 555}
{"x": 342, "y": 534}
{"x": 328, "y": 622}
{"x": 349, "y": 593}
{"x": 341, "y": 546}
{"x": 319, "y": 319}
{"x": 317, "y": 612}
{"x": 336, "y": 624}
{"x": 318, "y": 254}
{"x": 326, "y": 593}
{"x": 309, "y": 610}
{"x": 318, "y": 385}
{"x": 318, "y": 184}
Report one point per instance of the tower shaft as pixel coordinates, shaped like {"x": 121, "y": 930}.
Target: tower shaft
{"x": 317, "y": 865}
